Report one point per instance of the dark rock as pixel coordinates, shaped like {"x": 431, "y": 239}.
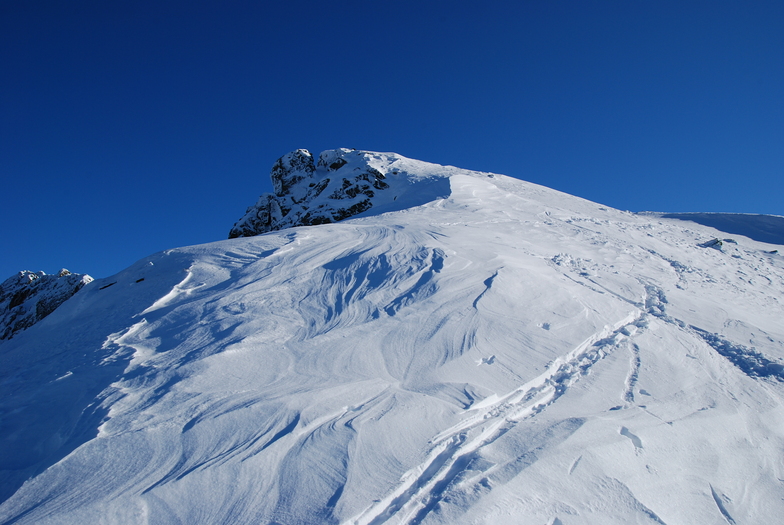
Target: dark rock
{"x": 291, "y": 169}
{"x": 337, "y": 164}
{"x": 345, "y": 213}
{"x": 259, "y": 218}
{"x": 305, "y": 191}
{"x": 28, "y": 297}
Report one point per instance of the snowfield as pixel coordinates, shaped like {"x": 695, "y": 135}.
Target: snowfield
{"x": 502, "y": 353}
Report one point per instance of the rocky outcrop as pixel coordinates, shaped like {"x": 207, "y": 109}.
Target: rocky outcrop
{"x": 341, "y": 184}
{"x": 28, "y": 297}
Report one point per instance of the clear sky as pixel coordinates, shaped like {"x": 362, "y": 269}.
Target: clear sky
{"x": 131, "y": 126}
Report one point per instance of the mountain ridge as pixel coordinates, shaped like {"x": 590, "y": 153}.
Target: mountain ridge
{"x": 358, "y": 183}
{"x": 498, "y": 353}
{"x": 760, "y": 227}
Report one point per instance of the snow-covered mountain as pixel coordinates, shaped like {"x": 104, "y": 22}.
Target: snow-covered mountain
{"x": 27, "y": 297}
{"x": 469, "y": 348}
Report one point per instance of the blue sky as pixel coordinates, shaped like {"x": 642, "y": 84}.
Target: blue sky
{"x": 129, "y": 127}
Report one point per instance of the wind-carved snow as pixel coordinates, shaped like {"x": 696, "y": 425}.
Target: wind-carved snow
{"x": 457, "y": 448}
{"x": 496, "y": 352}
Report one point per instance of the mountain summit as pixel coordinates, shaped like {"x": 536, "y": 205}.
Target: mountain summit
{"x": 28, "y": 297}
{"x": 469, "y": 348}
{"x": 343, "y": 183}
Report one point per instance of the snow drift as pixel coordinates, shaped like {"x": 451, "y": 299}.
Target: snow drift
{"x": 470, "y": 348}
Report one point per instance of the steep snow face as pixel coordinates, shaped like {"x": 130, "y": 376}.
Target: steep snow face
{"x": 28, "y": 297}
{"x": 504, "y": 353}
{"x": 343, "y": 183}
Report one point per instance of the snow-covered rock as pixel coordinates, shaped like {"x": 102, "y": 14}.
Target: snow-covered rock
{"x": 28, "y": 297}
{"x": 343, "y": 183}
{"x": 478, "y": 350}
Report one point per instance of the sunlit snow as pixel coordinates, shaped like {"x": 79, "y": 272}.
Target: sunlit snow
{"x": 503, "y": 353}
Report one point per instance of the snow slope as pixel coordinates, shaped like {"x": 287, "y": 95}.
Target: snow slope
{"x": 501, "y": 353}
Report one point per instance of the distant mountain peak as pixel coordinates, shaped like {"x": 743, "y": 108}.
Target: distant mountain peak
{"x": 342, "y": 183}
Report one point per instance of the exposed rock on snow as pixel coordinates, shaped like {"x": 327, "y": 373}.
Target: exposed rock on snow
{"x": 28, "y": 297}
{"x": 342, "y": 184}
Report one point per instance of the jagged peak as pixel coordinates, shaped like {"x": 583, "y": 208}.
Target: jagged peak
{"x": 28, "y": 297}
{"x": 342, "y": 183}
{"x": 290, "y": 169}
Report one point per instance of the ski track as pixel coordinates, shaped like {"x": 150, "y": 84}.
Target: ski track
{"x": 634, "y": 372}
{"x": 748, "y": 360}
{"x": 422, "y": 487}
{"x": 636, "y": 441}
{"x": 574, "y": 464}
{"x": 720, "y": 505}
